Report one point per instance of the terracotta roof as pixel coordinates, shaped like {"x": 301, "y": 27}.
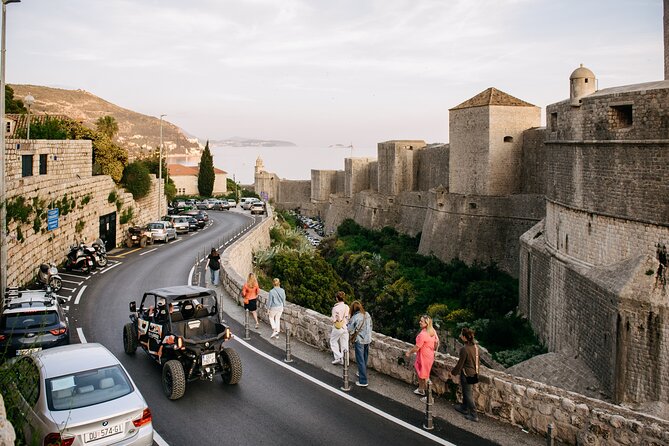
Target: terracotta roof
{"x": 492, "y": 96}
{"x": 181, "y": 170}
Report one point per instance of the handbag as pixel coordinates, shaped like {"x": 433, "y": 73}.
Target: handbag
{"x": 475, "y": 377}
{"x": 339, "y": 325}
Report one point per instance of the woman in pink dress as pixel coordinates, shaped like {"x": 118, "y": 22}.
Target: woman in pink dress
{"x": 427, "y": 342}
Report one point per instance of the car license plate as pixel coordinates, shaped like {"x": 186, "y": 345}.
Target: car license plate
{"x": 27, "y": 351}
{"x": 107, "y": 431}
{"x": 208, "y": 358}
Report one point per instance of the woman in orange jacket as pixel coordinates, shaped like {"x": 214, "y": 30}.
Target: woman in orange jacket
{"x": 250, "y": 292}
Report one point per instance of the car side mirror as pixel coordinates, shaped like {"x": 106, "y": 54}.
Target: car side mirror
{"x": 133, "y": 307}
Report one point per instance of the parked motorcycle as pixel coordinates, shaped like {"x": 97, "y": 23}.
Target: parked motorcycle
{"x": 97, "y": 252}
{"x": 78, "y": 259}
{"x": 47, "y": 275}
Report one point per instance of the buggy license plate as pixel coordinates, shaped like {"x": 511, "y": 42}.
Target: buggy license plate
{"x": 27, "y": 351}
{"x": 107, "y": 431}
{"x": 208, "y": 358}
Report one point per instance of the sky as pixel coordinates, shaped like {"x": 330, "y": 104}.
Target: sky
{"x": 323, "y": 72}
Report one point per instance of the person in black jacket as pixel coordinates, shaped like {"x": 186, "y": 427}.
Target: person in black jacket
{"x": 214, "y": 265}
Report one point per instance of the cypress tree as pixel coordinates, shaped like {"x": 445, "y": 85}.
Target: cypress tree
{"x": 206, "y": 176}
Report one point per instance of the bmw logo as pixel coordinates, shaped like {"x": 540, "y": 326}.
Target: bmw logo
{"x": 105, "y": 423}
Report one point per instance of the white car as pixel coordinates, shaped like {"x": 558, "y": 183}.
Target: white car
{"x": 162, "y": 230}
{"x": 258, "y": 207}
{"x": 247, "y": 202}
{"x": 80, "y": 394}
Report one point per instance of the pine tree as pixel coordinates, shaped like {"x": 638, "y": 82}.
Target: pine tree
{"x": 206, "y": 176}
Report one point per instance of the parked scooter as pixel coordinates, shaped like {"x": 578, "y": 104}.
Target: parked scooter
{"x": 78, "y": 259}
{"x": 47, "y": 275}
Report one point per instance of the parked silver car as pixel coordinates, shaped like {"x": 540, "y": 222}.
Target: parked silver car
{"x": 162, "y": 230}
{"x": 180, "y": 222}
{"x": 80, "y": 394}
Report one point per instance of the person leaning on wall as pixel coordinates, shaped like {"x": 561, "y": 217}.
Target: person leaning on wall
{"x": 467, "y": 369}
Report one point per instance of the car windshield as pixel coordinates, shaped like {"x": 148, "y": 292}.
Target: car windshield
{"x": 87, "y": 388}
{"x": 156, "y": 226}
{"x": 32, "y": 319}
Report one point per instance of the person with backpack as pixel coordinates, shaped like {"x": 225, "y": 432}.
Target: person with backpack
{"x": 360, "y": 329}
{"x": 214, "y": 265}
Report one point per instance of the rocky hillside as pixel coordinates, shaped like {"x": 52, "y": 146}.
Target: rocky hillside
{"x": 138, "y": 133}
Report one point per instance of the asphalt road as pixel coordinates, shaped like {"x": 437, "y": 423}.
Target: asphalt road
{"x": 274, "y": 404}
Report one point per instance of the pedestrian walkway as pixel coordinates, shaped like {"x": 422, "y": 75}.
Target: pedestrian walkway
{"x": 444, "y": 412}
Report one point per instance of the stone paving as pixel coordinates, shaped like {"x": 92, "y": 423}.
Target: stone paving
{"x": 561, "y": 370}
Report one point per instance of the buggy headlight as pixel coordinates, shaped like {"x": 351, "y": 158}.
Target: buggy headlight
{"x": 206, "y": 344}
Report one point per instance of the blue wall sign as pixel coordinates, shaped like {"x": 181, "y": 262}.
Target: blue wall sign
{"x": 52, "y": 219}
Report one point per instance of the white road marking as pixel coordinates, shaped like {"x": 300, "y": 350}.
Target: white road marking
{"x": 176, "y": 240}
{"x": 72, "y": 275}
{"x": 68, "y": 289}
{"x": 190, "y": 275}
{"x": 348, "y": 397}
{"x": 111, "y": 267}
{"x": 150, "y": 250}
{"x": 158, "y": 439}
{"x": 82, "y": 338}
{"x": 81, "y": 291}
{"x": 72, "y": 281}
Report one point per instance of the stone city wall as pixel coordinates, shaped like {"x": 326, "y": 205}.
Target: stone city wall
{"x": 468, "y": 141}
{"x": 613, "y": 317}
{"x": 293, "y": 194}
{"x": 600, "y": 239}
{"x": 405, "y": 212}
{"x": 398, "y": 166}
{"x": 31, "y": 242}
{"x": 625, "y": 180}
{"x": 477, "y": 228}
{"x": 323, "y": 184}
{"x": 357, "y": 175}
{"x": 528, "y": 404}
{"x": 433, "y": 167}
{"x": 533, "y": 165}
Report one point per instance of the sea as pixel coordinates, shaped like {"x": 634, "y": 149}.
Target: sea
{"x": 289, "y": 162}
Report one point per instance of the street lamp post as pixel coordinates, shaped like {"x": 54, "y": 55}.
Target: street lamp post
{"x": 160, "y": 169}
{"x": 29, "y": 101}
{"x": 3, "y": 188}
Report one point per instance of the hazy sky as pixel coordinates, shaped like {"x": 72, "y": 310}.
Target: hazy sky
{"x": 320, "y": 72}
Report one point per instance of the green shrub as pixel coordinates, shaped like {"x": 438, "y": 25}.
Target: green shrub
{"x": 136, "y": 179}
{"x": 127, "y": 215}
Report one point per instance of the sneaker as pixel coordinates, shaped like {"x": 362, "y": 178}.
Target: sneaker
{"x": 357, "y": 374}
{"x": 419, "y": 392}
{"x": 337, "y": 361}
{"x": 359, "y": 384}
{"x": 257, "y": 326}
{"x": 423, "y": 400}
{"x": 473, "y": 418}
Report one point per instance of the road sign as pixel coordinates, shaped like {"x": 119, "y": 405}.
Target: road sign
{"x": 52, "y": 219}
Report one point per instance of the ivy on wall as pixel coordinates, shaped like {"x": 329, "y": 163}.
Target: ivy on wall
{"x": 127, "y": 215}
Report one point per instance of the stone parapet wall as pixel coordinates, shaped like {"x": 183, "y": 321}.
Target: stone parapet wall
{"x": 518, "y": 401}
{"x": 600, "y": 240}
{"x": 7, "y": 433}
{"x": 476, "y": 228}
{"x": 620, "y": 179}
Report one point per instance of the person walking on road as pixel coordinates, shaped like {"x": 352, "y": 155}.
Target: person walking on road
{"x": 250, "y": 292}
{"x": 276, "y": 300}
{"x": 339, "y": 333}
{"x": 360, "y": 330}
{"x": 214, "y": 265}
{"x": 427, "y": 342}
{"x": 468, "y": 370}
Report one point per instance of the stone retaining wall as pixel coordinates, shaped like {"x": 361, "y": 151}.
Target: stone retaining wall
{"x": 529, "y": 404}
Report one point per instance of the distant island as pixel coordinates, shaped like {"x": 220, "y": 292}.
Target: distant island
{"x": 340, "y": 146}
{"x": 249, "y": 142}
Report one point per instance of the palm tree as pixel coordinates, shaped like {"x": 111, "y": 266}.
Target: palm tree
{"x": 107, "y": 125}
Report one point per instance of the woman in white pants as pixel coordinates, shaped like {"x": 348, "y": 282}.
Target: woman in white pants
{"x": 339, "y": 333}
{"x": 275, "y": 303}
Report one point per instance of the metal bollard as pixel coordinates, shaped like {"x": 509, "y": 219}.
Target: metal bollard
{"x": 428, "y": 408}
{"x": 346, "y": 387}
{"x": 246, "y": 325}
{"x": 549, "y": 435}
{"x": 288, "y": 357}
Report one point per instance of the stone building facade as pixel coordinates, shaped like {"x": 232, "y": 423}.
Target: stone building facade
{"x": 50, "y": 174}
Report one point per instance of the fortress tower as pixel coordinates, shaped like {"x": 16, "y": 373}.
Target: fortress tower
{"x": 582, "y": 82}
{"x": 486, "y": 139}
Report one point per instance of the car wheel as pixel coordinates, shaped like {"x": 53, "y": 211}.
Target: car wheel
{"x": 102, "y": 261}
{"x": 232, "y": 366}
{"x": 174, "y": 379}
{"x": 56, "y": 284}
{"x": 129, "y": 338}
